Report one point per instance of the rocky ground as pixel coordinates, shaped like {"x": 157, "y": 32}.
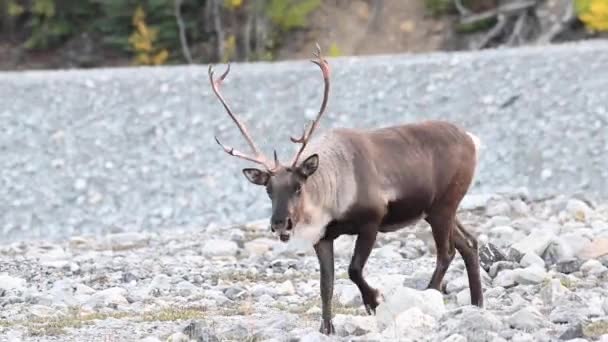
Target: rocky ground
{"x": 545, "y": 271}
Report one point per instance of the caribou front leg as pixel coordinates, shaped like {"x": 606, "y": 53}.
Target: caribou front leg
{"x": 363, "y": 248}
{"x": 325, "y": 254}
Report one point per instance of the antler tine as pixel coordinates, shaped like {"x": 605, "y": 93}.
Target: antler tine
{"x": 259, "y": 157}
{"x": 303, "y": 140}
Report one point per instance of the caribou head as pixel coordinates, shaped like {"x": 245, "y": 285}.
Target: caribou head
{"x": 284, "y": 183}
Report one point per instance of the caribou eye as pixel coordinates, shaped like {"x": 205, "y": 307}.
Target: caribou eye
{"x": 298, "y": 189}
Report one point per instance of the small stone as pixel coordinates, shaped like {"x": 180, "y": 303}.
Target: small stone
{"x": 593, "y": 267}
{"x": 506, "y": 278}
{"x": 350, "y": 296}
{"x": 126, "y": 241}
{"x": 574, "y": 331}
{"x": 347, "y": 325}
{"x": 557, "y": 250}
{"x": 527, "y": 318}
{"x": 488, "y": 255}
{"x": 568, "y": 266}
{"x": 455, "y": 338}
{"x": 429, "y": 302}
{"x": 219, "y": 248}
{"x": 111, "y": 297}
{"x": 314, "y": 336}
{"x": 463, "y": 297}
{"x": 196, "y": 331}
{"x": 178, "y": 337}
{"x": 259, "y": 246}
{"x": 500, "y": 266}
{"x": 286, "y": 288}
{"x": 161, "y": 282}
{"x": 578, "y": 209}
{"x": 498, "y": 208}
{"x": 185, "y": 288}
{"x": 530, "y": 275}
{"x": 457, "y": 284}
{"x": 531, "y": 259}
{"x": 536, "y": 242}
{"x": 8, "y": 282}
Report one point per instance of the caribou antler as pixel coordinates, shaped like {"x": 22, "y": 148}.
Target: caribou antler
{"x": 309, "y": 129}
{"x": 258, "y": 157}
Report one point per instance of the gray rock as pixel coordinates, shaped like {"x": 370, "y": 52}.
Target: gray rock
{"x": 574, "y": 331}
{"x": 498, "y": 207}
{"x": 593, "y": 267}
{"x": 568, "y": 266}
{"x": 552, "y": 291}
{"x": 488, "y": 255}
{"x": 457, "y": 284}
{"x": 196, "y": 331}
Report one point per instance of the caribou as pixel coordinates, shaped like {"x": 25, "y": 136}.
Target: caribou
{"x": 363, "y": 182}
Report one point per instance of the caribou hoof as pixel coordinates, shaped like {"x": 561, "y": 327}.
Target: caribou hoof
{"x": 327, "y": 328}
{"x": 372, "y": 300}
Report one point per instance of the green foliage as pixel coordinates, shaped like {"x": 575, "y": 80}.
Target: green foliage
{"x": 291, "y": 14}
{"x": 439, "y": 7}
{"x": 154, "y": 38}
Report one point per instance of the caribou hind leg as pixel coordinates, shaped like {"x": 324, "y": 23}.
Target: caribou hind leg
{"x": 442, "y": 229}
{"x": 466, "y": 244}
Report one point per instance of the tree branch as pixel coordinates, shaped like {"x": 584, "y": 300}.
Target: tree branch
{"x": 182, "y": 31}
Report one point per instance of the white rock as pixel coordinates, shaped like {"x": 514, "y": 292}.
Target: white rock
{"x": 354, "y": 325}
{"x": 387, "y": 252}
{"x": 185, "y": 288}
{"x": 286, "y": 288}
{"x": 536, "y": 242}
{"x": 178, "y": 337}
{"x": 217, "y": 247}
{"x": 160, "y": 282}
{"x": 314, "y": 336}
{"x": 127, "y": 240}
{"x": 528, "y": 318}
{"x": 463, "y": 297}
{"x": 457, "y": 284}
{"x": 259, "y": 246}
{"x": 412, "y": 324}
{"x": 531, "y": 259}
{"x": 592, "y": 267}
{"x": 111, "y": 297}
{"x": 579, "y": 209}
{"x": 429, "y": 302}
{"x": 8, "y": 282}
{"x": 505, "y": 278}
{"x": 350, "y": 296}
{"x": 530, "y": 275}
{"x": 605, "y": 306}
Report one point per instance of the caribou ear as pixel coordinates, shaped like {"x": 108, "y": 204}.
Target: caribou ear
{"x": 256, "y": 176}
{"x": 309, "y": 166}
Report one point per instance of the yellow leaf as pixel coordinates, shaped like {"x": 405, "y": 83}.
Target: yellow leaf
{"x": 161, "y": 57}
{"x": 139, "y": 15}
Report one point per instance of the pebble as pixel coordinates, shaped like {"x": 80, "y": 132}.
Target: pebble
{"x": 219, "y": 248}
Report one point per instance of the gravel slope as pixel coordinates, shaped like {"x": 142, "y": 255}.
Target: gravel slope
{"x": 107, "y": 150}
{"x": 237, "y": 284}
